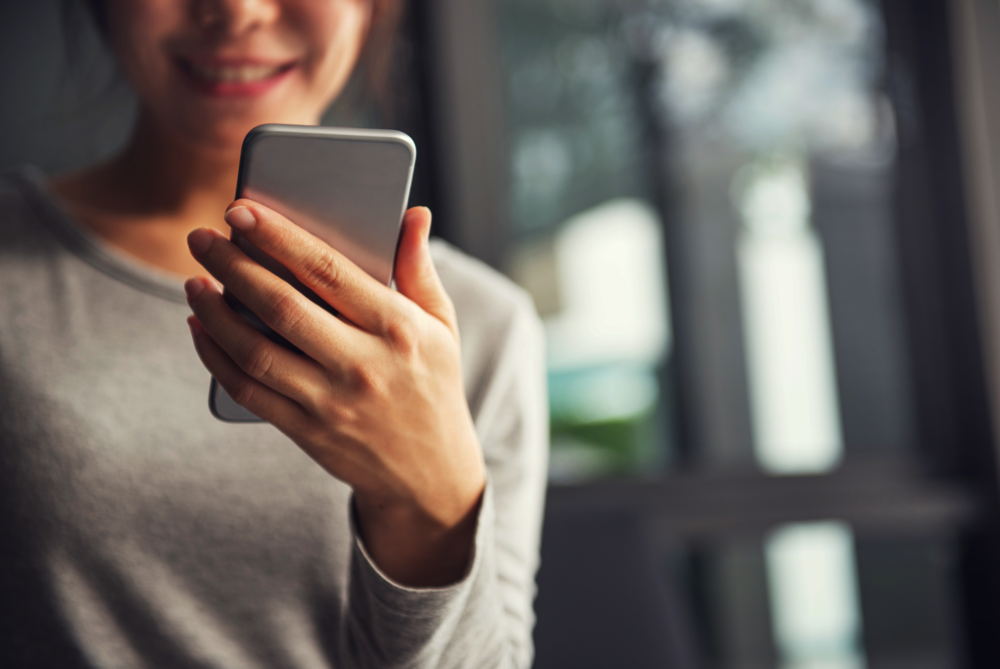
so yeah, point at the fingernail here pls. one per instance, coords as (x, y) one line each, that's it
(193, 288)
(240, 218)
(199, 241)
(427, 231)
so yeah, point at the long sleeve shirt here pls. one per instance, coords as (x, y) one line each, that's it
(136, 530)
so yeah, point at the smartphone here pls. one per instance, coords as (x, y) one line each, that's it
(349, 187)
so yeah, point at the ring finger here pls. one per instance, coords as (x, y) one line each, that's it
(295, 376)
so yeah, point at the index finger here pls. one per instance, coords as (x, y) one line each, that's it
(326, 271)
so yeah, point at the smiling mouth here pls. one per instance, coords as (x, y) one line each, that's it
(233, 74)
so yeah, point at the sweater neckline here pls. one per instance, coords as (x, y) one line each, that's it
(91, 248)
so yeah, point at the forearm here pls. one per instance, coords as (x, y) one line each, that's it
(460, 625)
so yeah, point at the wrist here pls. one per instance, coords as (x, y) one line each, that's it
(417, 546)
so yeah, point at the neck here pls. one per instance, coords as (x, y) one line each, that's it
(147, 198)
(157, 176)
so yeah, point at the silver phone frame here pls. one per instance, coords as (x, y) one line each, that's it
(216, 391)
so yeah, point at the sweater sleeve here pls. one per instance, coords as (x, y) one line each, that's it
(485, 619)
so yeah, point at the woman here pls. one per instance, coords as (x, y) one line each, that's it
(388, 515)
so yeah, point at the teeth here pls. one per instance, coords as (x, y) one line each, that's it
(235, 75)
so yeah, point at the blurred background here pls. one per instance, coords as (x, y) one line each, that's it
(764, 236)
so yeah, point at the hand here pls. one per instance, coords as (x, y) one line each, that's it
(377, 400)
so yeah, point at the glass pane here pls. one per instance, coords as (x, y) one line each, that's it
(751, 142)
(815, 595)
(754, 136)
(805, 595)
(590, 238)
(812, 588)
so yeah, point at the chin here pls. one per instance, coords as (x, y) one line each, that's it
(225, 134)
(213, 124)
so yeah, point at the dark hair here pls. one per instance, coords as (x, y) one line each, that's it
(377, 61)
(380, 54)
(89, 74)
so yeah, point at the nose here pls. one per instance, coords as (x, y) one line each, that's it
(234, 17)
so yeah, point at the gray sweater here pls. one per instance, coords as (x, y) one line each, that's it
(138, 531)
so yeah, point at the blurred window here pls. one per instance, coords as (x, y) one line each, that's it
(703, 203)
(738, 125)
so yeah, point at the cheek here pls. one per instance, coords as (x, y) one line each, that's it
(335, 39)
(137, 30)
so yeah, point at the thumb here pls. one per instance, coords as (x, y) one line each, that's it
(416, 277)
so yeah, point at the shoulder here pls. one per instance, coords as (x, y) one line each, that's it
(23, 209)
(488, 304)
(475, 287)
(18, 186)
(497, 320)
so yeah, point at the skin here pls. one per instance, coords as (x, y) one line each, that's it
(379, 401)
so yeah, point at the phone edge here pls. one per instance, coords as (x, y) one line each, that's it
(263, 130)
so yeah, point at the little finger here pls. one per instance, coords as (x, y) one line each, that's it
(249, 393)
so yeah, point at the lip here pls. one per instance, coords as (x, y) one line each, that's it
(227, 89)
